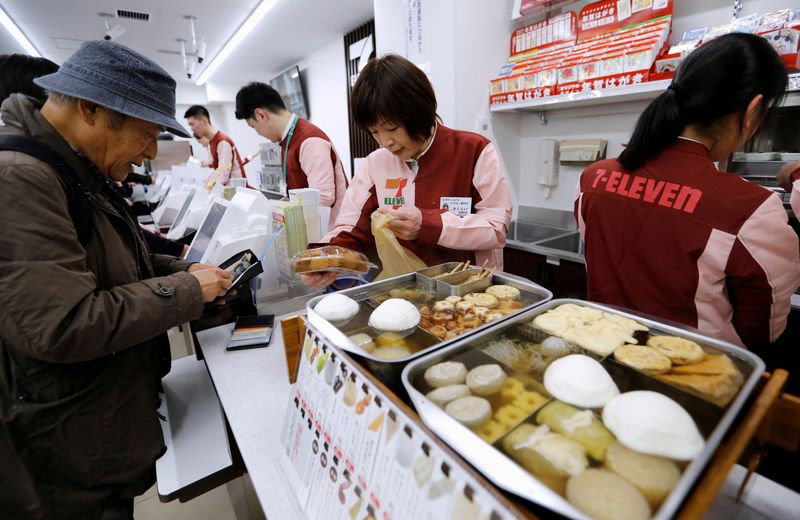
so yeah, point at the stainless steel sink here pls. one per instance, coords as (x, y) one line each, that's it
(571, 243)
(529, 233)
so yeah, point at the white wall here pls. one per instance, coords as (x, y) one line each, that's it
(482, 33)
(465, 42)
(440, 51)
(325, 82)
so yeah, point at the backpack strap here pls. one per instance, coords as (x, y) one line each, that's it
(77, 193)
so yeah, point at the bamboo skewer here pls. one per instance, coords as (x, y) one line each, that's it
(483, 268)
(456, 268)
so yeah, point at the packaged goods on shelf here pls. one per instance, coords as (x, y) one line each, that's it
(579, 52)
(780, 28)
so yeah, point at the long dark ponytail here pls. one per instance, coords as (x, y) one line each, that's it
(718, 79)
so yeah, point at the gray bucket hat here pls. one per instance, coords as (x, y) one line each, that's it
(118, 78)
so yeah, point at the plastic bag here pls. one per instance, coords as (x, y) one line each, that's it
(396, 259)
(347, 263)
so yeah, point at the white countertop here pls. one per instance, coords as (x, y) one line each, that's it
(253, 387)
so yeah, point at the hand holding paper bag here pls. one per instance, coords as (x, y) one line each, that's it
(396, 259)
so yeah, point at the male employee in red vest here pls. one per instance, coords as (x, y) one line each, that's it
(223, 151)
(308, 158)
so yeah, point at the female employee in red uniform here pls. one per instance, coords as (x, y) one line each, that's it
(666, 233)
(421, 167)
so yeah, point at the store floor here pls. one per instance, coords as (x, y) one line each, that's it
(234, 501)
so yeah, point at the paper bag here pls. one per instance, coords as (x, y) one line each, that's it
(396, 259)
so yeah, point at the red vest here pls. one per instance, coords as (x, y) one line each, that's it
(218, 138)
(295, 176)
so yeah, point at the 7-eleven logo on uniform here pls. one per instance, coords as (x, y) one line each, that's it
(399, 184)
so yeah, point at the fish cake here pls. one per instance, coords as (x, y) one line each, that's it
(644, 359)
(504, 292)
(680, 351)
(482, 300)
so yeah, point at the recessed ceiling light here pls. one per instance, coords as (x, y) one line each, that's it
(237, 38)
(12, 28)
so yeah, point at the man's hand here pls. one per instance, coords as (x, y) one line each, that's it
(406, 223)
(784, 175)
(199, 266)
(318, 280)
(213, 282)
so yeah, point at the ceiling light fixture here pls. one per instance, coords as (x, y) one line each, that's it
(12, 28)
(237, 38)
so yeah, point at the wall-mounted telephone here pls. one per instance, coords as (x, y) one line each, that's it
(548, 165)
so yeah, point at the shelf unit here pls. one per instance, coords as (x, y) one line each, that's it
(640, 91)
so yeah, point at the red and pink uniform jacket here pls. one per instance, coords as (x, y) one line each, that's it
(312, 162)
(678, 239)
(457, 164)
(225, 154)
(794, 197)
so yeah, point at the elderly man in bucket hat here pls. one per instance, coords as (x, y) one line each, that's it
(83, 304)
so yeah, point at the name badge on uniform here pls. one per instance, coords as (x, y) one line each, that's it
(460, 206)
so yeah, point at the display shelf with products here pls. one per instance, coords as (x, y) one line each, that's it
(601, 47)
(634, 92)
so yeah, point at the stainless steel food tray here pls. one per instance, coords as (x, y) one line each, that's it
(389, 371)
(507, 474)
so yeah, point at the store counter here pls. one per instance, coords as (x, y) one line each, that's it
(253, 388)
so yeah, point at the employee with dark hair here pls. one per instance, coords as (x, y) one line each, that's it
(223, 151)
(421, 167)
(308, 158)
(17, 72)
(668, 234)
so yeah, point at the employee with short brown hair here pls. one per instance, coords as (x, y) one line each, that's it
(444, 187)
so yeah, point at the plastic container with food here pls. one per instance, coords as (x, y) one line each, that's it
(583, 409)
(331, 259)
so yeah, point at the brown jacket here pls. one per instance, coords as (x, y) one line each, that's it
(79, 337)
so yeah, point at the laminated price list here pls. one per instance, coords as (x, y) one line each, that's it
(350, 454)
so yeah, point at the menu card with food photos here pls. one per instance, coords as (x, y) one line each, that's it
(350, 454)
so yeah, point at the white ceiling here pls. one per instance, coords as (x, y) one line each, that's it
(291, 31)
